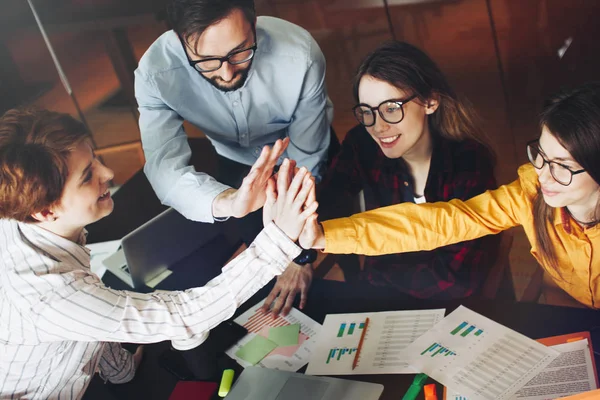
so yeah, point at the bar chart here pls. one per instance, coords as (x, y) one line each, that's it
(477, 357)
(466, 332)
(437, 349)
(353, 327)
(285, 358)
(336, 354)
(385, 337)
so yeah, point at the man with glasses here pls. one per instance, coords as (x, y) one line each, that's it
(244, 82)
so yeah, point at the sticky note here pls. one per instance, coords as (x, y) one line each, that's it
(285, 335)
(256, 349)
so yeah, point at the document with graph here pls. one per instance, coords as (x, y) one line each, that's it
(273, 342)
(387, 334)
(478, 357)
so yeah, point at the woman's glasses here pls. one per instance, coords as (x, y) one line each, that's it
(390, 111)
(561, 173)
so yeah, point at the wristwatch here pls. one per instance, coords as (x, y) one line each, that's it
(306, 257)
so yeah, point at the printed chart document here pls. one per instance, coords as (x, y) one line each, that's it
(275, 343)
(478, 357)
(570, 373)
(388, 333)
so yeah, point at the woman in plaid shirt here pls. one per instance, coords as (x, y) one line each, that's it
(416, 142)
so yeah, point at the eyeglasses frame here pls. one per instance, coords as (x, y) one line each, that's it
(399, 102)
(221, 60)
(549, 162)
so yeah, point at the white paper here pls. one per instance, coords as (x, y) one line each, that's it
(290, 358)
(99, 252)
(478, 357)
(388, 333)
(572, 372)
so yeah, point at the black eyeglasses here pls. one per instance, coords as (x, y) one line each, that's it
(392, 111)
(214, 63)
(560, 172)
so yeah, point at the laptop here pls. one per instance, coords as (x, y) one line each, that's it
(257, 383)
(147, 252)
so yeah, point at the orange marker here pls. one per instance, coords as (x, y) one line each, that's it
(360, 343)
(430, 392)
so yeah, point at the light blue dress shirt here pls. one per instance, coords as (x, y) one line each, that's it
(284, 95)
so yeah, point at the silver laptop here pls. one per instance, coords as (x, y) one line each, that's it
(257, 383)
(148, 251)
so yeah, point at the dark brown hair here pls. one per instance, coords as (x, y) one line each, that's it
(410, 69)
(190, 18)
(34, 150)
(573, 118)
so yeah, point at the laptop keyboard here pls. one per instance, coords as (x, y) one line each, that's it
(125, 269)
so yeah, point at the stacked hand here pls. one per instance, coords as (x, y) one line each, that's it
(290, 199)
(251, 194)
(293, 192)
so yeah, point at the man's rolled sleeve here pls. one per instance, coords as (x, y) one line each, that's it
(116, 364)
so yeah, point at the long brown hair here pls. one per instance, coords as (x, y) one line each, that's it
(573, 118)
(410, 69)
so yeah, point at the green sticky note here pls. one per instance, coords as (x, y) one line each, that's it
(285, 335)
(256, 349)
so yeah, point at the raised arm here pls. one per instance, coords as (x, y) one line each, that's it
(86, 310)
(167, 155)
(415, 227)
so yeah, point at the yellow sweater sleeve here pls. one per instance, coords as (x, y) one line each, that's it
(415, 227)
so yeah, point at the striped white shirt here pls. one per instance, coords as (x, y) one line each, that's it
(59, 323)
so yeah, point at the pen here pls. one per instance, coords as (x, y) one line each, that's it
(360, 343)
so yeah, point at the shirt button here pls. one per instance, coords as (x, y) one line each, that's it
(235, 103)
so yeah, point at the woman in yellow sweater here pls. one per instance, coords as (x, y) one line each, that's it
(556, 199)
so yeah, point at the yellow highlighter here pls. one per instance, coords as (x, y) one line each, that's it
(226, 382)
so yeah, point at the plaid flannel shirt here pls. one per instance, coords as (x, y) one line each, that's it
(458, 170)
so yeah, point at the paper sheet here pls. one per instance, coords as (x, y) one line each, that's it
(287, 358)
(388, 333)
(570, 373)
(478, 357)
(99, 252)
(285, 335)
(256, 349)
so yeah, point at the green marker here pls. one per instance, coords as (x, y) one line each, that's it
(415, 388)
(226, 382)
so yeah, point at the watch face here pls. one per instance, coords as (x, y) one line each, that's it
(306, 257)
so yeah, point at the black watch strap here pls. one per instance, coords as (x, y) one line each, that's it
(306, 257)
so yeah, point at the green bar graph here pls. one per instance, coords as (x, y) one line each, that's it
(336, 354)
(479, 332)
(429, 348)
(467, 331)
(342, 329)
(439, 351)
(351, 329)
(459, 328)
(331, 355)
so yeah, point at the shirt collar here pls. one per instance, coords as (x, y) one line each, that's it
(562, 217)
(53, 244)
